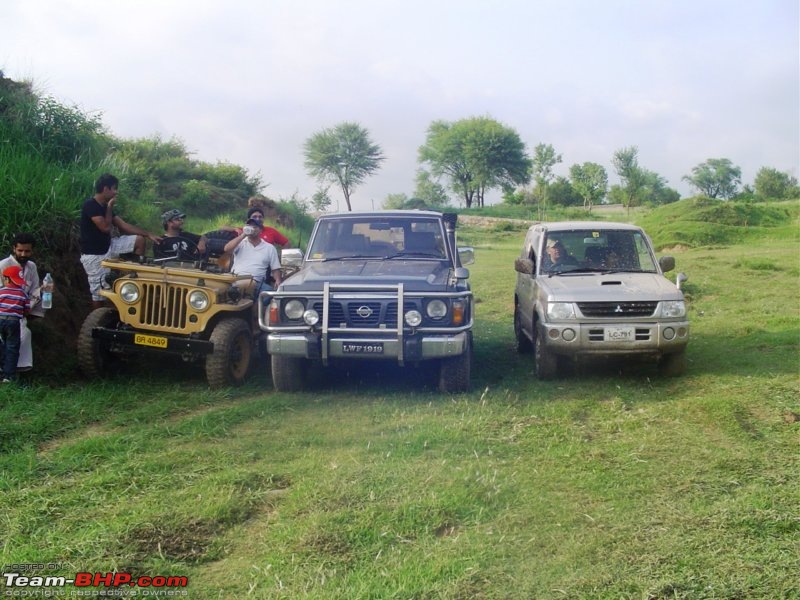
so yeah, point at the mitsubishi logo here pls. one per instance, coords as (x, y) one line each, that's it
(364, 312)
(618, 309)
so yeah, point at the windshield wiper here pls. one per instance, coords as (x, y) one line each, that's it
(351, 257)
(422, 254)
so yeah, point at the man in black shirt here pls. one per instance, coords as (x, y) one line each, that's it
(97, 243)
(176, 242)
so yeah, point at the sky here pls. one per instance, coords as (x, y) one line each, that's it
(248, 82)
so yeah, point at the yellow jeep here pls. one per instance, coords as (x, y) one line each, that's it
(192, 309)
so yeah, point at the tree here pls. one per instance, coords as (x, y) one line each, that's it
(716, 177)
(560, 192)
(343, 155)
(655, 190)
(429, 191)
(476, 154)
(544, 159)
(321, 200)
(626, 164)
(590, 181)
(771, 184)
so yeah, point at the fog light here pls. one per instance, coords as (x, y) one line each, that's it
(413, 318)
(669, 333)
(682, 332)
(568, 335)
(311, 317)
(553, 334)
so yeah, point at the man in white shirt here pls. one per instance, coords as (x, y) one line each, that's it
(21, 252)
(255, 257)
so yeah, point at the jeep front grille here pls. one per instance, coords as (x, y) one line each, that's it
(163, 305)
(617, 309)
(362, 313)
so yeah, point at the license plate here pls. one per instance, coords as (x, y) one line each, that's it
(361, 348)
(155, 341)
(619, 334)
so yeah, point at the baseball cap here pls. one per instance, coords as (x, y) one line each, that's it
(254, 209)
(14, 273)
(171, 214)
(552, 242)
(255, 222)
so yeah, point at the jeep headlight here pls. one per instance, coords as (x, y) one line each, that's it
(129, 292)
(293, 309)
(413, 318)
(673, 308)
(436, 309)
(560, 310)
(198, 300)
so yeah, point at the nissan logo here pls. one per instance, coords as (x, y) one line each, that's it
(364, 312)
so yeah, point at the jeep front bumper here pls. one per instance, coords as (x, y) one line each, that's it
(618, 338)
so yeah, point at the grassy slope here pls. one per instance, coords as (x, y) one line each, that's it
(606, 485)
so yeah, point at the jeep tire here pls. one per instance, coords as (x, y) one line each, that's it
(454, 373)
(229, 363)
(94, 357)
(288, 373)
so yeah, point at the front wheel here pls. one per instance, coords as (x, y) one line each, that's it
(672, 365)
(229, 363)
(288, 373)
(94, 357)
(545, 362)
(455, 372)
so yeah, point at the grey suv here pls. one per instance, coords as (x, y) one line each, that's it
(589, 289)
(387, 285)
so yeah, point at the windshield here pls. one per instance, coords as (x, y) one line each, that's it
(596, 250)
(379, 238)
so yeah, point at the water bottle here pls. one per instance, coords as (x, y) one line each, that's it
(47, 291)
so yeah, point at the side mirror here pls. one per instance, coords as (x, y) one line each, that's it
(524, 265)
(467, 255)
(461, 273)
(680, 279)
(291, 258)
(667, 263)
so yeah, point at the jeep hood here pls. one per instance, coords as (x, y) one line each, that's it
(415, 275)
(609, 287)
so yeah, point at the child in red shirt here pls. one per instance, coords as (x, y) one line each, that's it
(14, 304)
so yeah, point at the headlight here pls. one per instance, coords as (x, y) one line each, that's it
(413, 318)
(293, 309)
(436, 309)
(560, 310)
(129, 292)
(673, 308)
(311, 317)
(198, 300)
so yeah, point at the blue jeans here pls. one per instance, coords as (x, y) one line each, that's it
(10, 332)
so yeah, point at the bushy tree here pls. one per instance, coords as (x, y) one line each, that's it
(632, 176)
(476, 154)
(343, 155)
(590, 181)
(560, 192)
(771, 184)
(431, 192)
(715, 178)
(544, 159)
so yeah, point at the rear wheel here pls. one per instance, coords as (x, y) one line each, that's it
(288, 373)
(454, 373)
(94, 357)
(524, 345)
(233, 349)
(672, 365)
(545, 362)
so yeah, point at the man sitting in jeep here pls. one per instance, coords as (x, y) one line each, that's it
(178, 243)
(255, 257)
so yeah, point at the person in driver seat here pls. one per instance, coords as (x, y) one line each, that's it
(178, 243)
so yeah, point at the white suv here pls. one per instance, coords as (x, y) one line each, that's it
(596, 289)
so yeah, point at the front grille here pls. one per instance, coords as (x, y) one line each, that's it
(347, 313)
(617, 309)
(163, 305)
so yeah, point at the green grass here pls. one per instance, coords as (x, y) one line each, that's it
(613, 483)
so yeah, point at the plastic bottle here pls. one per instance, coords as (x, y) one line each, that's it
(47, 291)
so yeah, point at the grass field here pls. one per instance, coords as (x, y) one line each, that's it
(611, 484)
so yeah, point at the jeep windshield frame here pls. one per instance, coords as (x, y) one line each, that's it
(597, 251)
(379, 237)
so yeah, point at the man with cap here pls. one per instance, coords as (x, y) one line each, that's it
(176, 242)
(557, 255)
(14, 305)
(255, 257)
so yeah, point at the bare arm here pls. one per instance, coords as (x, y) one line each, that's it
(134, 230)
(231, 245)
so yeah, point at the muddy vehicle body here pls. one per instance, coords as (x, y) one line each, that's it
(377, 286)
(177, 306)
(607, 297)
